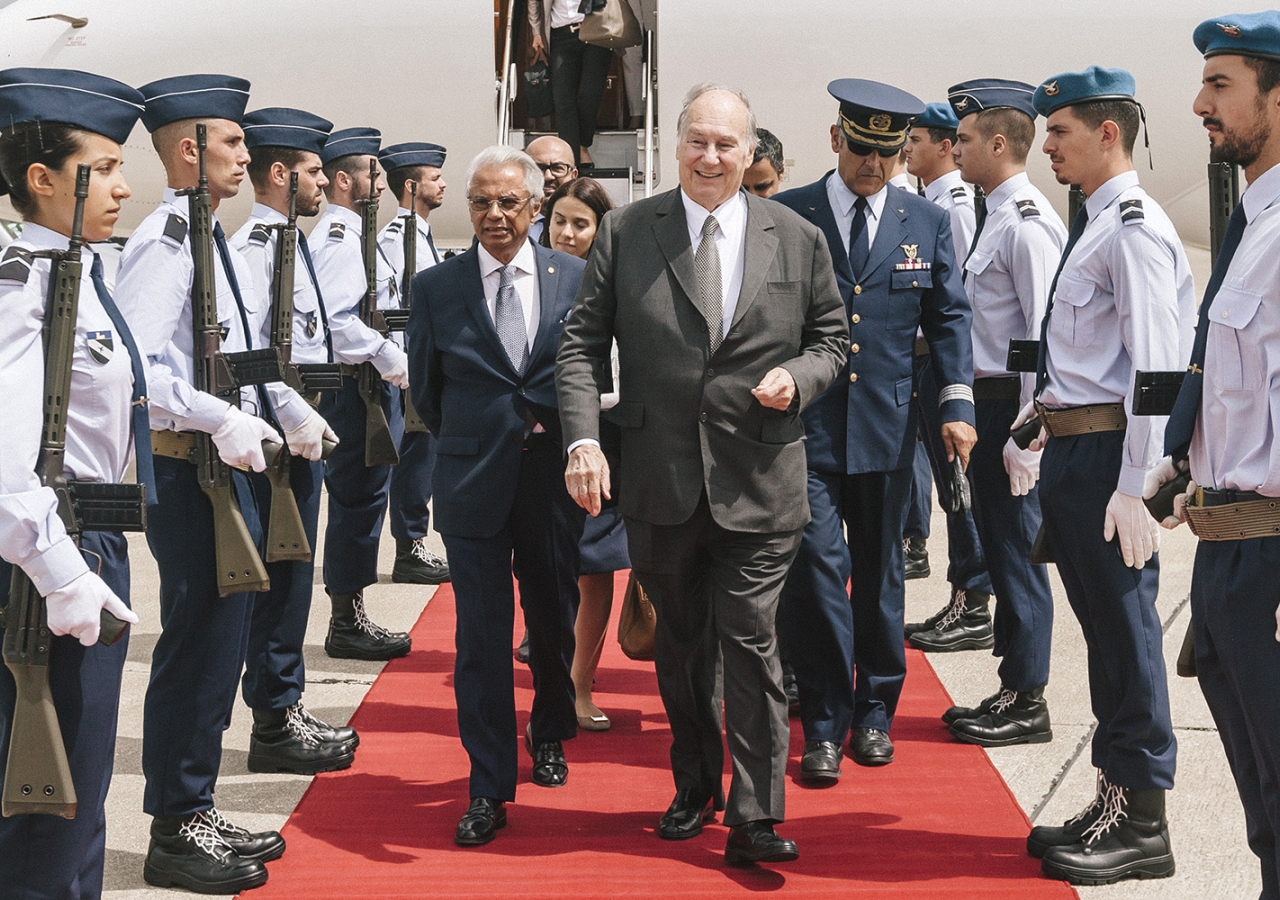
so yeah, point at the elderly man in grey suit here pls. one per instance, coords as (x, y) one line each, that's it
(728, 322)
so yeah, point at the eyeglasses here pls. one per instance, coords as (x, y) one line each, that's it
(865, 150)
(558, 169)
(508, 206)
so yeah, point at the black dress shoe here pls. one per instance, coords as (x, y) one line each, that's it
(956, 713)
(549, 766)
(916, 558)
(291, 745)
(1043, 837)
(965, 626)
(1130, 839)
(189, 852)
(415, 564)
(757, 842)
(821, 761)
(522, 652)
(480, 822)
(353, 635)
(791, 688)
(686, 815)
(871, 747)
(263, 846)
(1017, 717)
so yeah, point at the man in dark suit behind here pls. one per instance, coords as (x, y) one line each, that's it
(482, 341)
(728, 322)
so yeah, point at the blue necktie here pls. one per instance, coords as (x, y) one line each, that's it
(432, 245)
(859, 246)
(220, 241)
(141, 419)
(311, 270)
(980, 219)
(1042, 364)
(1182, 421)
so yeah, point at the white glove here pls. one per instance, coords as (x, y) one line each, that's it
(393, 366)
(305, 440)
(239, 440)
(1164, 472)
(1026, 415)
(1127, 517)
(1180, 506)
(77, 608)
(1023, 467)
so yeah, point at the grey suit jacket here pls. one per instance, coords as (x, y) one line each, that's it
(689, 422)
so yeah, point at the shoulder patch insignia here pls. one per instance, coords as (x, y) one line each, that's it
(15, 265)
(394, 226)
(260, 233)
(337, 230)
(1131, 211)
(1027, 208)
(175, 228)
(958, 192)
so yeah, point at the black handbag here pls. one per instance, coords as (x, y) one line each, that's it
(538, 102)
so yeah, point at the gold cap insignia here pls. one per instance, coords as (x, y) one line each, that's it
(1051, 89)
(880, 122)
(1230, 30)
(963, 104)
(910, 249)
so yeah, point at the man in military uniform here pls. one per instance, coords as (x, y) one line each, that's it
(1225, 421)
(896, 270)
(286, 737)
(1121, 301)
(357, 493)
(1006, 275)
(964, 622)
(409, 164)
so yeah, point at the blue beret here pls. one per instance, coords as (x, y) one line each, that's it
(101, 105)
(874, 114)
(398, 156)
(1094, 83)
(194, 97)
(279, 126)
(1250, 34)
(936, 115)
(980, 94)
(350, 141)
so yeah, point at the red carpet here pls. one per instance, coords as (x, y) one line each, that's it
(937, 823)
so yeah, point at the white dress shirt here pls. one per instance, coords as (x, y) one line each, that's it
(842, 200)
(563, 12)
(525, 283)
(731, 240)
(951, 193)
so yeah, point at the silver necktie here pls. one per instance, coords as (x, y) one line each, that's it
(706, 263)
(508, 319)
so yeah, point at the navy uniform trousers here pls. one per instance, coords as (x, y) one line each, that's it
(920, 507)
(46, 857)
(539, 543)
(274, 674)
(826, 627)
(357, 493)
(1116, 607)
(966, 563)
(197, 660)
(411, 485)
(1234, 595)
(1007, 526)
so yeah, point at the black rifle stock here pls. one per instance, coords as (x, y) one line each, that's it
(379, 446)
(412, 421)
(239, 566)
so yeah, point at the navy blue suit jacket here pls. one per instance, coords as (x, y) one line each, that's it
(869, 425)
(467, 393)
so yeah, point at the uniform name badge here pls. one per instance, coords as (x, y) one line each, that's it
(913, 262)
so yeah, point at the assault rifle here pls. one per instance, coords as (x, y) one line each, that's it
(379, 446)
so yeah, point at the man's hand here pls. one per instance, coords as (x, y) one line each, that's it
(1127, 518)
(76, 609)
(959, 438)
(587, 477)
(1025, 415)
(1023, 467)
(539, 48)
(239, 440)
(1164, 472)
(305, 440)
(776, 390)
(393, 366)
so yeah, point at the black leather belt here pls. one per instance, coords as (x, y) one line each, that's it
(567, 29)
(1211, 497)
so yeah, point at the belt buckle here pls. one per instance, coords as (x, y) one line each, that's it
(1199, 497)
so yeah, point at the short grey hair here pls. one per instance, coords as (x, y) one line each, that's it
(499, 156)
(706, 87)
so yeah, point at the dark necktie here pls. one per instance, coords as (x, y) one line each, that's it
(508, 321)
(859, 246)
(224, 252)
(141, 419)
(1182, 421)
(315, 283)
(1042, 365)
(432, 244)
(980, 219)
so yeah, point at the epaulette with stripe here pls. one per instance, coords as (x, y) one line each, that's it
(260, 233)
(175, 228)
(1131, 211)
(15, 265)
(394, 226)
(1027, 208)
(959, 193)
(337, 230)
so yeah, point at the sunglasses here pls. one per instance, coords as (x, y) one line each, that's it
(867, 150)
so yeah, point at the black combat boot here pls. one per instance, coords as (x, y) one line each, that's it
(1130, 839)
(956, 713)
(965, 625)
(333, 734)
(353, 635)
(917, 558)
(189, 852)
(263, 846)
(1016, 717)
(283, 741)
(415, 564)
(1043, 837)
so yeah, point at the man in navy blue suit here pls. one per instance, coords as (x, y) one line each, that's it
(482, 345)
(896, 269)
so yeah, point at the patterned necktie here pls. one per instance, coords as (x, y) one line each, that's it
(859, 245)
(311, 270)
(1042, 364)
(224, 252)
(508, 320)
(1182, 421)
(706, 264)
(141, 419)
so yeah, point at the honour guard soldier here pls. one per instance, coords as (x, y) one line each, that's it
(1121, 301)
(196, 663)
(414, 176)
(357, 492)
(1006, 274)
(896, 269)
(964, 622)
(1225, 420)
(79, 575)
(287, 738)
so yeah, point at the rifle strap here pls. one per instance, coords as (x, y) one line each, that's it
(224, 253)
(315, 283)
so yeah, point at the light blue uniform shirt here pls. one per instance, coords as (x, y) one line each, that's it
(951, 193)
(335, 250)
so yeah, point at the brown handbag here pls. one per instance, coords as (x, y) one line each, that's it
(636, 622)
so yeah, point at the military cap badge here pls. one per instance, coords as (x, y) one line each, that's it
(1229, 30)
(1051, 89)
